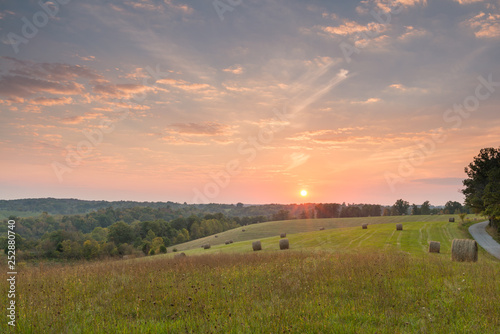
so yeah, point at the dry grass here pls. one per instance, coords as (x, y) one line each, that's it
(298, 292)
(464, 250)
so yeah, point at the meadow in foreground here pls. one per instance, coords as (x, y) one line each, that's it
(392, 289)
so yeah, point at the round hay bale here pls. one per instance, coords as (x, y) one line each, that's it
(216, 236)
(321, 228)
(399, 227)
(256, 246)
(283, 235)
(284, 244)
(464, 250)
(227, 242)
(230, 241)
(451, 220)
(243, 230)
(206, 246)
(364, 226)
(180, 255)
(434, 247)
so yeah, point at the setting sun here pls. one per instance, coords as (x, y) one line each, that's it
(303, 193)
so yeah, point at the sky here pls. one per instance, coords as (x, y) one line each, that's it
(247, 101)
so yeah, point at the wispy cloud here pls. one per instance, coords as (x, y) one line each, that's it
(235, 69)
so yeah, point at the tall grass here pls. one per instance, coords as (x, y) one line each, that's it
(306, 292)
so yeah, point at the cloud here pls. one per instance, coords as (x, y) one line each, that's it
(154, 6)
(235, 69)
(26, 78)
(118, 91)
(351, 28)
(43, 101)
(187, 86)
(485, 25)
(180, 7)
(204, 129)
(21, 87)
(397, 87)
(50, 71)
(387, 5)
(296, 159)
(80, 119)
(368, 101)
(412, 32)
(467, 2)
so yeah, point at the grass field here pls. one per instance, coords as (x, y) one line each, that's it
(340, 280)
(268, 229)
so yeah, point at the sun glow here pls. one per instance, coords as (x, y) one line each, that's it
(303, 193)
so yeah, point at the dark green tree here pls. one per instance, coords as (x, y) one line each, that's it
(452, 207)
(482, 187)
(400, 207)
(120, 233)
(425, 208)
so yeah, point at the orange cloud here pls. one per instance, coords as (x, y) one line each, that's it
(42, 101)
(352, 27)
(485, 25)
(466, 2)
(80, 119)
(120, 90)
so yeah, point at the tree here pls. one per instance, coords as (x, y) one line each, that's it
(327, 210)
(415, 210)
(99, 234)
(400, 207)
(482, 188)
(120, 233)
(281, 215)
(425, 208)
(156, 243)
(452, 207)
(90, 249)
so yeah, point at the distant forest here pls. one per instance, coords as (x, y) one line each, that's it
(78, 229)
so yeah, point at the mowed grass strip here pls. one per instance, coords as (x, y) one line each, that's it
(275, 228)
(271, 292)
(413, 239)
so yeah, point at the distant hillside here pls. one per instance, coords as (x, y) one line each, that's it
(71, 206)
